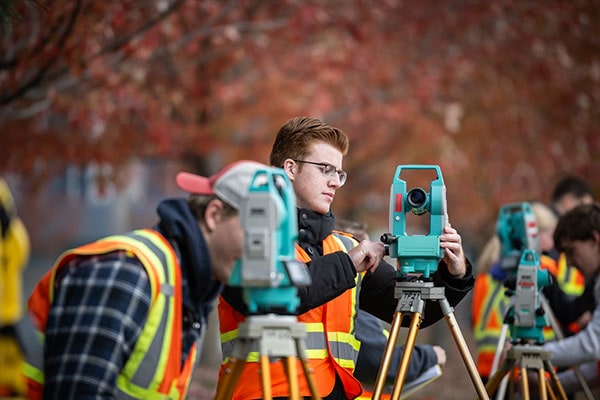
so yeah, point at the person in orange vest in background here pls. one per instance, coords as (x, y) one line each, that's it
(489, 303)
(578, 236)
(14, 256)
(311, 154)
(373, 336)
(123, 317)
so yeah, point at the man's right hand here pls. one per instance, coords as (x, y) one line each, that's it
(367, 255)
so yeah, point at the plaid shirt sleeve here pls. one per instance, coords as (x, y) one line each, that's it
(99, 309)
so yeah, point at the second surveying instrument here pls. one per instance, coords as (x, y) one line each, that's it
(528, 313)
(269, 275)
(420, 255)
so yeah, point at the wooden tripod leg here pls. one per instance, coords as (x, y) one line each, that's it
(542, 384)
(496, 379)
(233, 371)
(310, 379)
(387, 356)
(292, 377)
(408, 349)
(554, 378)
(524, 383)
(265, 377)
(463, 349)
(550, 391)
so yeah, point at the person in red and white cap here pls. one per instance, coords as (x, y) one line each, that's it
(123, 317)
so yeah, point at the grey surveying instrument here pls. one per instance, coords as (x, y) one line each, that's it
(420, 255)
(269, 276)
(528, 312)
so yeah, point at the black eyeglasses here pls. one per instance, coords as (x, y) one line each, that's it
(329, 170)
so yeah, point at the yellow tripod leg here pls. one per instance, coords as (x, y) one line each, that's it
(265, 377)
(233, 371)
(387, 356)
(411, 338)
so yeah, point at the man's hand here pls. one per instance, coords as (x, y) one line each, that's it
(367, 255)
(454, 256)
(440, 354)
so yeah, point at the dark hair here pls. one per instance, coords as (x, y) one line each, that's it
(578, 224)
(297, 134)
(355, 228)
(198, 203)
(571, 185)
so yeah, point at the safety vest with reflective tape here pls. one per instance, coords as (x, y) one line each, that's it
(153, 370)
(570, 280)
(331, 346)
(489, 306)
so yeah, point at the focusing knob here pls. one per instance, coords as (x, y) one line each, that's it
(388, 238)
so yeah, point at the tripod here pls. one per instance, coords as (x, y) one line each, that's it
(501, 386)
(276, 336)
(411, 297)
(528, 357)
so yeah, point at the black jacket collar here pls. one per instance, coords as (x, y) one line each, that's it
(314, 227)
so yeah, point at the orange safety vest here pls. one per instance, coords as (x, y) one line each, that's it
(331, 346)
(488, 309)
(146, 375)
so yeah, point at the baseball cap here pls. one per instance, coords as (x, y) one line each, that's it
(230, 183)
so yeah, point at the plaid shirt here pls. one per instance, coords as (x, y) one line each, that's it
(99, 310)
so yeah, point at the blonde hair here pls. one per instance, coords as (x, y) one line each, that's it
(488, 256)
(546, 219)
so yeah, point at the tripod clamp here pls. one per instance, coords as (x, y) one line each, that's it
(275, 337)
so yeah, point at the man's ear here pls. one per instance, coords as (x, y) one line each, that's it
(596, 236)
(212, 214)
(290, 168)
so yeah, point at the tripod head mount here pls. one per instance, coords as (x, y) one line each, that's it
(519, 242)
(268, 271)
(416, 253)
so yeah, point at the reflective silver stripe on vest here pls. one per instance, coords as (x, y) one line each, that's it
(343, 351)
(147, 367)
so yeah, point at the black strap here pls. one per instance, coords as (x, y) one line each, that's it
(4, 220)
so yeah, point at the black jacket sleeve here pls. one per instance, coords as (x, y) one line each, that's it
(377, 292)
(331, 275)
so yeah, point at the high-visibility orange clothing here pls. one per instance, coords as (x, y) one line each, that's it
(330, 343)
(147, 374)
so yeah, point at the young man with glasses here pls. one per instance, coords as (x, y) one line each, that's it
(311, 153)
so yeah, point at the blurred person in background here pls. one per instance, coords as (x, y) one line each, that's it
(577, 235)
(489, 304)
(124, 317)
(311, 153)
(14, 256)
(569, 192)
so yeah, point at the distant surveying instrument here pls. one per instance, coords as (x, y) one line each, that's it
(418, 255)
(519, 248)
(526, 316)
(269, 276)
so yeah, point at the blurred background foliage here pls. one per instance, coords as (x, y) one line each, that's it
(503, 95)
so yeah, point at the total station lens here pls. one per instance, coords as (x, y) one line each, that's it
(416, 197)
